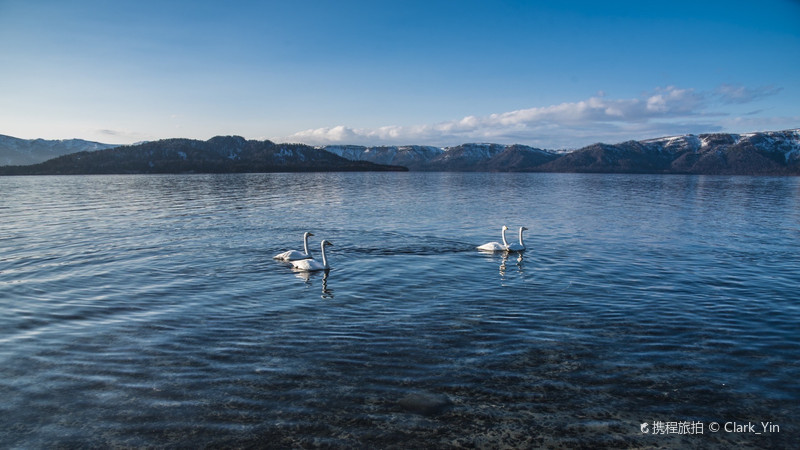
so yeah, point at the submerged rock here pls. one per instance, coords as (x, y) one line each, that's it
(425, 403)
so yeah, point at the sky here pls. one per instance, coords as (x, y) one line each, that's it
(550, 74)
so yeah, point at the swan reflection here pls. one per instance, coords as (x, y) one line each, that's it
(307, 278)
(504, 263)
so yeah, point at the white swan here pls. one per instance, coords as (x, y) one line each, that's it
(312, 265)
(293, 255)
(518, 247)
(496, 246)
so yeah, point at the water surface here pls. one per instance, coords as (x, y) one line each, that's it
(142, 311)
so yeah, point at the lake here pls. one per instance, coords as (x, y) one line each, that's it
(147, 311)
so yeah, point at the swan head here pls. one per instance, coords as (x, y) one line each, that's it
(505, 228)
(307, 234)
(523, 228)
(326, 243)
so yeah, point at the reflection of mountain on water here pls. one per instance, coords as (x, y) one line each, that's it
(307, 278)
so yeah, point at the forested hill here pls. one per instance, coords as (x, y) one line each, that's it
(221, 154)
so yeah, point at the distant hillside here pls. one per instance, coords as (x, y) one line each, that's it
(465, 157)
(221, 154)
(16, 152)
(415, 157)
(517, 158)
(765, 153)
(762, 153)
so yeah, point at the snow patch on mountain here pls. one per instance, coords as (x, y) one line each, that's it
(474, 152)
(15, 151)
(285, 155)
(675, 144)
(406, 155)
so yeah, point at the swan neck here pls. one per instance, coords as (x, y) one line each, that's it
(520, 238)
(324, 258)
(305, 244)
(504, 237)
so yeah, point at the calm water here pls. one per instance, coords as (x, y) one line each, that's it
(142, 311)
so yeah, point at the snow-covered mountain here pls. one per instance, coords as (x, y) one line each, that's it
(786, 142)
(465, 157)
(491, 158)
(15, 151)
(414, 157)
(762, 153)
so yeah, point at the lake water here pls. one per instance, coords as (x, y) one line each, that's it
(142, 311)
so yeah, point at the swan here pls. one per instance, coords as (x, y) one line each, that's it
(518, 247)
(312, 265)
(496, 246)
(293, 255)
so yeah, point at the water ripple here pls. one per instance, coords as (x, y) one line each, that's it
(147, 311)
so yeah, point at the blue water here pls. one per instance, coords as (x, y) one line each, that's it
(147, 311)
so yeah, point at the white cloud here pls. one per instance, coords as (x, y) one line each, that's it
(664, 111)
(113, 136)
(742, 94)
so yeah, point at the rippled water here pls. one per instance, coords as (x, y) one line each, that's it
(142, 311)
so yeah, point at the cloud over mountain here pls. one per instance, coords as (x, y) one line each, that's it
(740, 94)
(664, 111)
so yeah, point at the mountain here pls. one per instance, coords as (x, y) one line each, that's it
(763, 153)
(517, 158)
(415, 157)
(15, 151)
(220, 154)
(465, 157)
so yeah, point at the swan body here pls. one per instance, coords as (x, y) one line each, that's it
(496, 246)
(312, 265)
(518, 247)
(294, 255)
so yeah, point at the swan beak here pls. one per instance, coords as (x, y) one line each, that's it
(524, 229)
(310, 234)
(328, 243)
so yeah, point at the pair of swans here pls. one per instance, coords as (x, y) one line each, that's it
(505, 246)
(303, 261)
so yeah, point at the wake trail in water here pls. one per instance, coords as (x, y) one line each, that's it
(391, 243)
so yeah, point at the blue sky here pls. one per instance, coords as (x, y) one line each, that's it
(552, 74)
